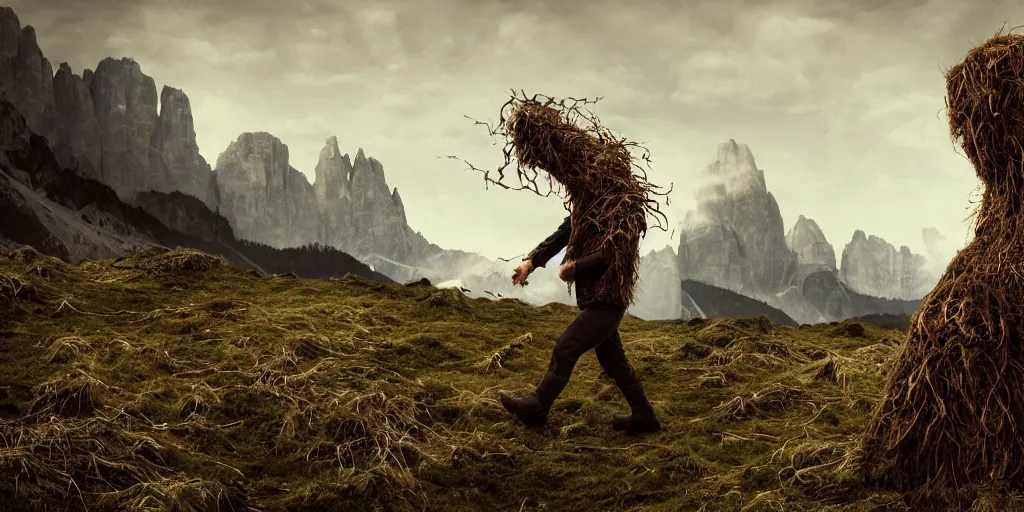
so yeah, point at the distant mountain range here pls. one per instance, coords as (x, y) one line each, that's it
(734, 239)
(98, 164)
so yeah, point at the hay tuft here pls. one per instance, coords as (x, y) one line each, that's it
(505, 353)
(850, 330)
(607, 191)
(447, 298)
(834, 369)
(953, 406)
(13, 287)
(176, 493)
(695, 350)
(68, 396)
(25, 254)
(186, 261)
(763, 403)
(66, 348)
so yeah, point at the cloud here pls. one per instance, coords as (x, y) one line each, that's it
(840, 102)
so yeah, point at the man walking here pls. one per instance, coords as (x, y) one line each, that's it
(595, 328)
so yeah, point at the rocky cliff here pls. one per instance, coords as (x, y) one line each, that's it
(78, 132)
(26, 76)
(108, 123)
(936, 244)
(658, 294)
(810, 245)
(61, 213)
(872, 266)
(359, 212)
(734, 238)
(176, 154)
(349, 205)
(378, 215)
(334, 194)
(265, 199)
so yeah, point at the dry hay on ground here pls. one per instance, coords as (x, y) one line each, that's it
(237, 393)
(954, 400)
(505, 353)
(184, 261)
(447, 299)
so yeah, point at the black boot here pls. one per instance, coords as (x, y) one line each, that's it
(533, 410)
(642, 420)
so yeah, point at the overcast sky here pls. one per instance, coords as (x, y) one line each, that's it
(840, 101)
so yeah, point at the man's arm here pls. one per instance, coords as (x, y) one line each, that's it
(594, 263)
(551, 245)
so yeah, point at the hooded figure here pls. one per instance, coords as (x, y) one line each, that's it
(601, 236)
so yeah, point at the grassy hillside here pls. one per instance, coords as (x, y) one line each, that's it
(171, 381)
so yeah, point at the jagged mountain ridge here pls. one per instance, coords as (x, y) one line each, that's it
(873, 266)
(734, 239)
(61, 213)
(109, 124)
(349, 205)
(107, 120)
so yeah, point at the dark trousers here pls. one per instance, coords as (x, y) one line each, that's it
(596, 328)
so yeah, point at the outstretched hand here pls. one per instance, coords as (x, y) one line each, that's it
(566, 271)
(522, 272)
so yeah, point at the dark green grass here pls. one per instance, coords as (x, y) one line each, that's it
(171, 381)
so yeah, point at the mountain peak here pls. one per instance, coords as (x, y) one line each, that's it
(10, 31)
(808, 241)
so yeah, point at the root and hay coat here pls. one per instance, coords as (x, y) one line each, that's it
(953, 406)
(607, 191)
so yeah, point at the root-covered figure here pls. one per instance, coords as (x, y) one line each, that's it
(953, 407)
(608, 205)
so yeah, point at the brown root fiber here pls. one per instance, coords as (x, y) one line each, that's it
(953, 405)
(606, 187)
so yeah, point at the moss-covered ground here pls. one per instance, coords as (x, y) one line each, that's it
(172, 381)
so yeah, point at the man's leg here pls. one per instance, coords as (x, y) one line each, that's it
(612, 357)
(587, 331)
